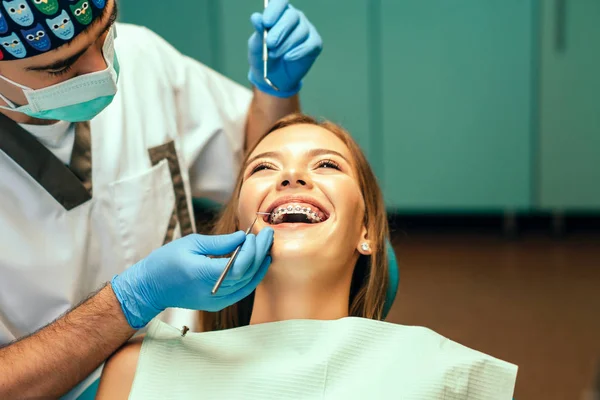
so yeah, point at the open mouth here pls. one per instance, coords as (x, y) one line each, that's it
(296, 213)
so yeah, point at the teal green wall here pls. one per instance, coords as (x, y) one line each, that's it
(569, 168)
(191, 34)
(459, 105)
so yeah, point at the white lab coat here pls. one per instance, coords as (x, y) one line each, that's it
(52, 258)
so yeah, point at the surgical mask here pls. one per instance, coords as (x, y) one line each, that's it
(77, 99)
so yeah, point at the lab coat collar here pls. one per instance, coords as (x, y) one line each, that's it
(43, 166)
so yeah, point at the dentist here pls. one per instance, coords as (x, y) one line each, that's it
(106, 134)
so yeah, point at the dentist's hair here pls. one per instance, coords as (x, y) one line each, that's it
(370, 277)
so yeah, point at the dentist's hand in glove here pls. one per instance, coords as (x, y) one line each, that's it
(181, 274)
(293, 45)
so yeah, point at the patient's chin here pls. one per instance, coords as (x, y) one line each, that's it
(288, 249)
(316, 246)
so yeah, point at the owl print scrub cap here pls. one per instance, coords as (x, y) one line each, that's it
(32, 27)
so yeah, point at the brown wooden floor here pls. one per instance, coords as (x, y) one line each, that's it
(534, 302)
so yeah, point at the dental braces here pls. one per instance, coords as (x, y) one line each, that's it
(312, 215)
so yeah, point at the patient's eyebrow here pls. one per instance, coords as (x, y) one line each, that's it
(310, 153)
(324, 152)
(267, 154)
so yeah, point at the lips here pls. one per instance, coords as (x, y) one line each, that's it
(297, 201)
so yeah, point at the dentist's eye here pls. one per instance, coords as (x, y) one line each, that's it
(60, 71)
(262, 166)
(328, 164)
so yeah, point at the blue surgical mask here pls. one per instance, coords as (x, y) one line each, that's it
(77, 99)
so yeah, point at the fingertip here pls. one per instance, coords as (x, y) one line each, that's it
(267, 230)
(257, 21)
(273, 12)
(237, 237)
(266, 235)
(238, 234)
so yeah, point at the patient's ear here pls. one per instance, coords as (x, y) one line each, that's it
(364, 244)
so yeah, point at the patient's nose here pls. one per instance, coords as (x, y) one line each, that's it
(299, 182)
(291, 179)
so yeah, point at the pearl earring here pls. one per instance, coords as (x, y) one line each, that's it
(365, 246)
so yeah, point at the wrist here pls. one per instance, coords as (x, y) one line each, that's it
(261, 85)
(135, 313)
(108, 297)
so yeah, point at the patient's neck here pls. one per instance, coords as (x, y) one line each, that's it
(292, 292)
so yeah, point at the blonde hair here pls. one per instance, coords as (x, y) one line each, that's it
(370, 277)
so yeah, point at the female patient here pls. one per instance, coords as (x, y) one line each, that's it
(298, 335)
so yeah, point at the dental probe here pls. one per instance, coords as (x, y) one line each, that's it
(232, 259)
(266, 56)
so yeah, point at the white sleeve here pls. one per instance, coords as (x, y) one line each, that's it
(212, 112)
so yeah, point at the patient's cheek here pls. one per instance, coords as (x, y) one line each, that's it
(243, 209)
(244, 218)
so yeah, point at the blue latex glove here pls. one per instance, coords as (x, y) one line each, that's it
(293, 44)
(181, 275)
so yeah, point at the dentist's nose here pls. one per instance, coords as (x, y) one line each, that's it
(92, 61)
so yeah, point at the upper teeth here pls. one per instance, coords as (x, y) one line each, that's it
(278, 213)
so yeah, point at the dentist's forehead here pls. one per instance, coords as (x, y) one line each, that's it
(301, 139)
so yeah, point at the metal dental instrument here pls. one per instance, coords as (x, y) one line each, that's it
(184, 330)
(266, 56)
(231, 260)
